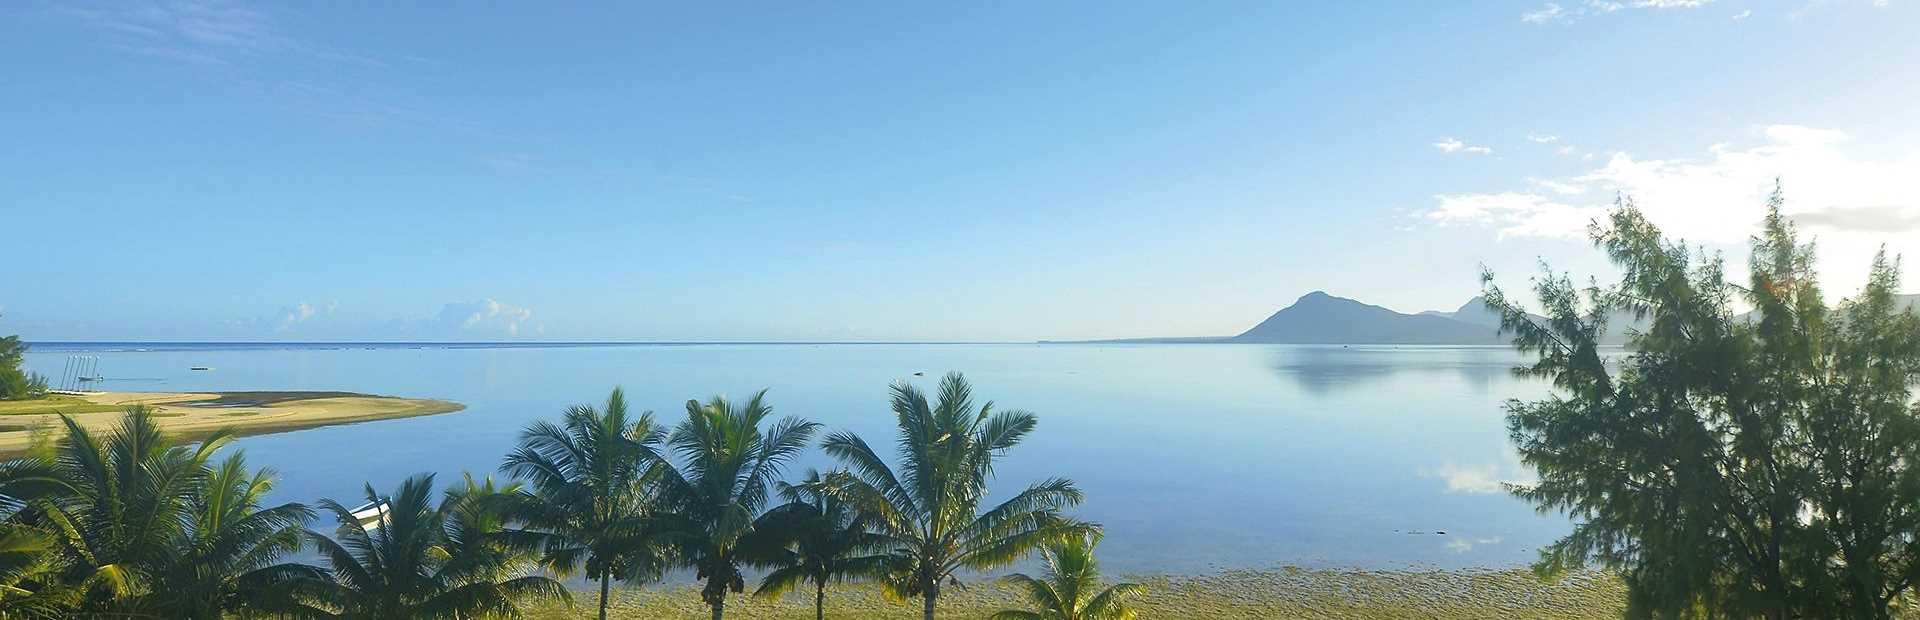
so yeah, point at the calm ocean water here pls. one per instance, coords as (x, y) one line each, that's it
(1196, 458)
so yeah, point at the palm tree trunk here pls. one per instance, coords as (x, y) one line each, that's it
(605, 582)
(719, 608)
(927, 611)
(820, 600)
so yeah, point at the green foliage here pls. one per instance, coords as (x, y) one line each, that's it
(1726, 465)
(16, 383)
(595, 479)
(1070, 589)
(815, 538)
(726, 464)
(136, 524)
(454, 560)
(929, 511)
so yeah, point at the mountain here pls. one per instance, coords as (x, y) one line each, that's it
(1474, 312)
(1319, 318)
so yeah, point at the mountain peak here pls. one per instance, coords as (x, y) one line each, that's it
(1319, 297)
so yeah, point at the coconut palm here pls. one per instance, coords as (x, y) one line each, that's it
(421, 561)
(138, 524)
(29, 575)
(227, 557)
(817, 539)
(1070, 589)
(593, 478)
(930, 511)
(726, 463)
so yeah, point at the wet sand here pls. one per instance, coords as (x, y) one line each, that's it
(196, 415)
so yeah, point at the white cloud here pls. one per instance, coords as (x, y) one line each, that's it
(1852, 204)
(1555, 13)
(286, 319)
(1743, 15)
(1455, 145)
(1549, 13)
(1542, 138)
(486, 316)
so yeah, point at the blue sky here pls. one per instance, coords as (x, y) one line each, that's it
(847, 171)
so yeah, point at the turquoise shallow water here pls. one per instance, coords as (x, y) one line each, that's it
(1196, 458)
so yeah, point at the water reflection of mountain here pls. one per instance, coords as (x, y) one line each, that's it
(1323, 370)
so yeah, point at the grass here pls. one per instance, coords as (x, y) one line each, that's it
(1287, 593)
(52, 404)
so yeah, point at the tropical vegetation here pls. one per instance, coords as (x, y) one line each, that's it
(726, 464)
(818, 539)
(419, 559)
(1730, 462)
(593, 489)
(1070, 587)
(15, 382)
(931, 512)
(134, 523)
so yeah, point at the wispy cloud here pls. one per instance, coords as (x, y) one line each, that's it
(1455, 145)
(211, 32)
(1550, 13)
(1743, 15)
(1542, 138)
(1553, 12)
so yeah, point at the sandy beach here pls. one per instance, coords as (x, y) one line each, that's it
(1280, 593)
(198, 414)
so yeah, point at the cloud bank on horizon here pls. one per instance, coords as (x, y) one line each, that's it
(1850, 204)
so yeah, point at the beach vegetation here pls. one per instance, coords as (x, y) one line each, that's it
(931, 511)
(1729, 462)
(15, 382)
(721, 480)
(1070, 587)
(593, 489)
(132, 523)
(419, 559)
(817, 539)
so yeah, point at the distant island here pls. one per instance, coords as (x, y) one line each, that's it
(1320, 318)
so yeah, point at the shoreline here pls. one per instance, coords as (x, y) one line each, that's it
(195, 415)
(1285, 593)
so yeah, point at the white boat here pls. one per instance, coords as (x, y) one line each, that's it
(371, 515)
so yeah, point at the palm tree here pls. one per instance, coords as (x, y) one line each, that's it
(419, 561)
(29, 575)
(726, 465)
(817, 539)
(930, 511)
(593, 479)
(1067, 591)
(227, 558)
(137, 524)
